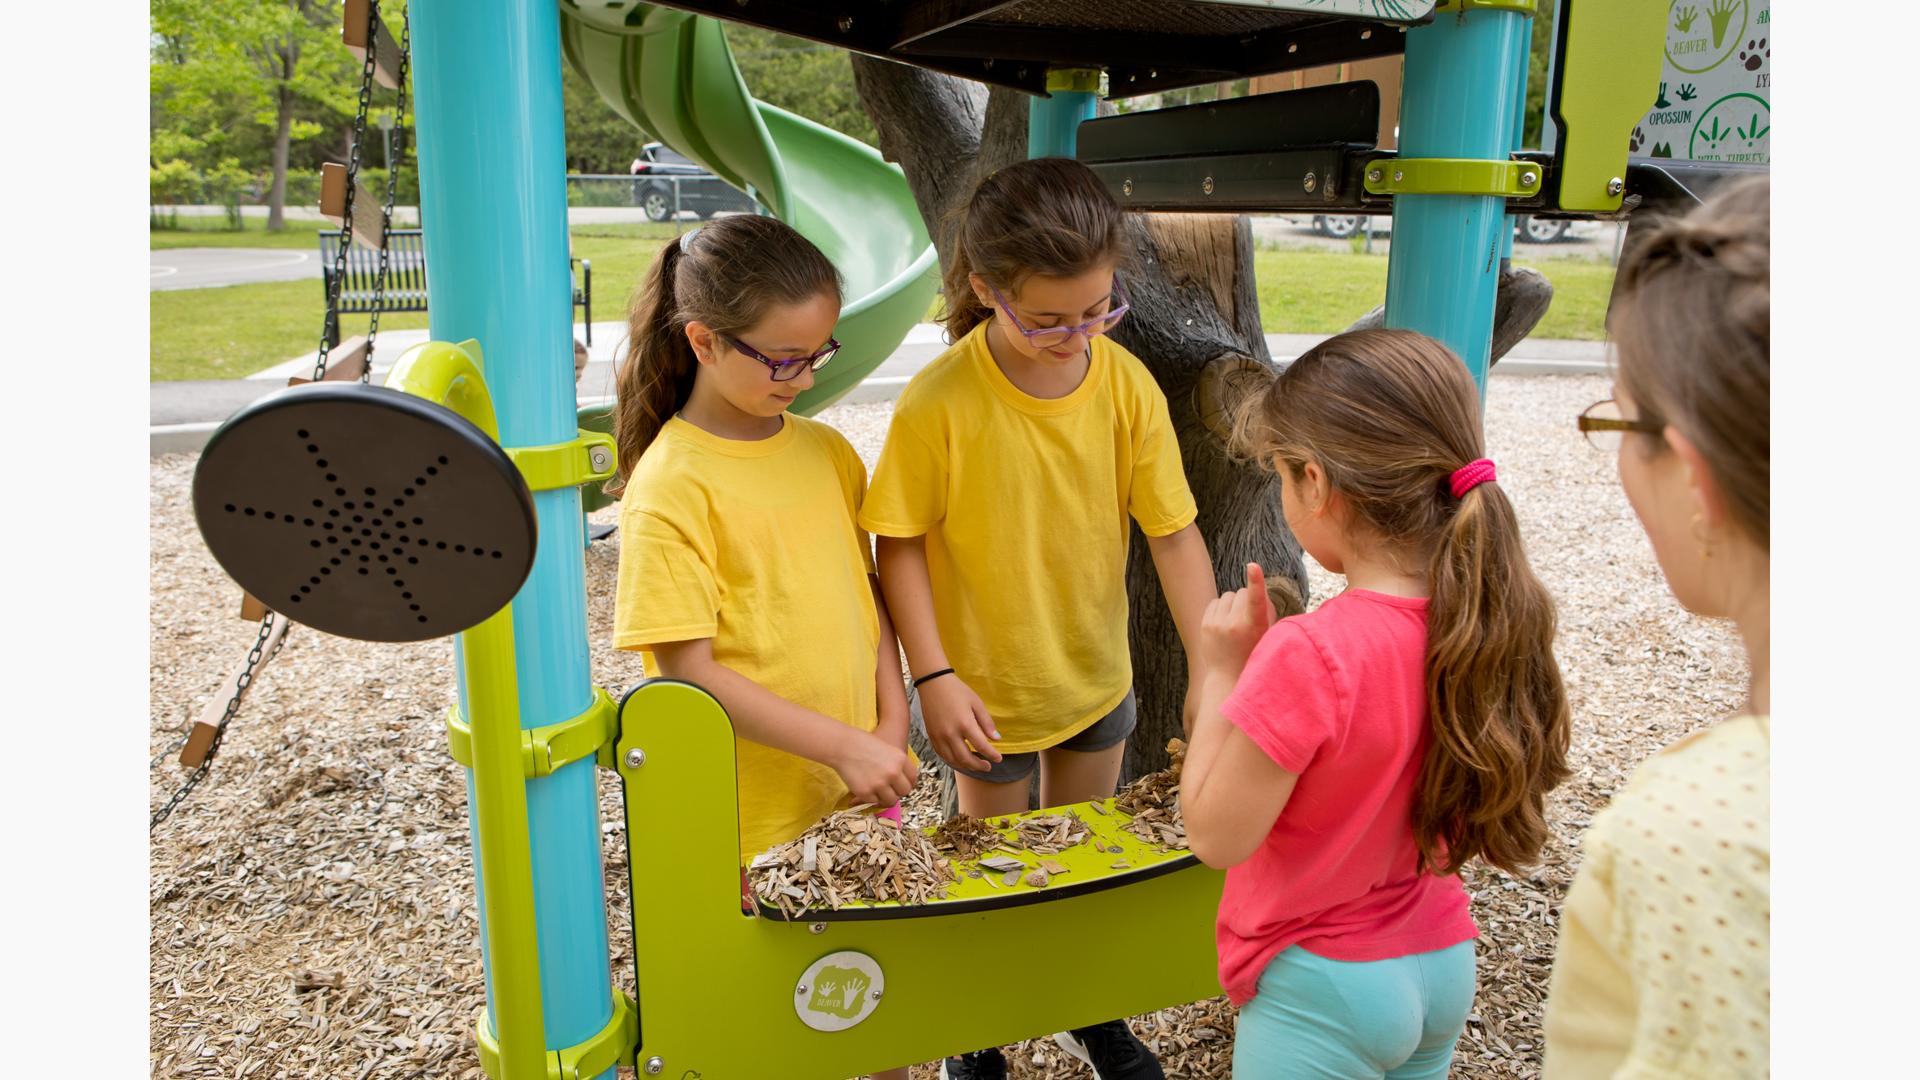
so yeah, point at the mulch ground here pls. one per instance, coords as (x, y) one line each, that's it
(312, 903)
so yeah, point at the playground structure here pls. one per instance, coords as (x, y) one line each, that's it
(494, 554)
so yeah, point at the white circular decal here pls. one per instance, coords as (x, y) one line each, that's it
(838, 991)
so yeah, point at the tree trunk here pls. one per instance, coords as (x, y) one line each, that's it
(1195, 311)
(282, 141)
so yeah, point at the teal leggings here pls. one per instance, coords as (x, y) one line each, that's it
(1335, 1020)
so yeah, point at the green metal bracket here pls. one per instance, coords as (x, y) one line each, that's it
(1452, 176)
(1073, 79)
(1524, 7)
(611, 1045)
(1606, 76)
(585, 460)
(544, 750)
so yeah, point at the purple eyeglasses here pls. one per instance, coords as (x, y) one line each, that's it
(1048, 337)
(786, 370)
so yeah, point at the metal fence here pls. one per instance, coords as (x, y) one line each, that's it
(660, 197)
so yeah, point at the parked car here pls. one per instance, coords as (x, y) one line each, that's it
(659, 170)
(1528, 229)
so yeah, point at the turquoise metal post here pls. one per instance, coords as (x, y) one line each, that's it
(1053, 123)
(493, 205)
(1523, 45)
(1461, 70)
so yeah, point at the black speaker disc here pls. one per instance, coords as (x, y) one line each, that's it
(365, 512)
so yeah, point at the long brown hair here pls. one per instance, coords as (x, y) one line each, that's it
(1691, 323)
(725, 274)
(1046, 216)
(1389, 415)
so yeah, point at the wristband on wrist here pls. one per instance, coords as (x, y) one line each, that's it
(931, 677)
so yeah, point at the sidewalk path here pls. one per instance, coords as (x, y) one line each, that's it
(182, 414)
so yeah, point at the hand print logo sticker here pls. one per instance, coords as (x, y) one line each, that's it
(1703, 34)
(839, 990)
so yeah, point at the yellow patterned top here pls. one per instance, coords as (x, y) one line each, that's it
(1662, 968)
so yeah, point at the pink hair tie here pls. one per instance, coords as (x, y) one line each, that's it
(1469, 476)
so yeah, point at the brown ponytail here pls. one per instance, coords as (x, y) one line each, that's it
(726, 274)
(1047, 216)
(1389, 415)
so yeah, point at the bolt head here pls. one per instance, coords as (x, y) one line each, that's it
(1309, 182)
(1126, 186)
(1616, 185)
(1528, 178)
(636, 758)
(799, 990)
(845, 23)
(817, 928)
(1374, 175)
(599, 458)
(1398, 176)
(1206, 186)
(875, 995)
(655, 1066)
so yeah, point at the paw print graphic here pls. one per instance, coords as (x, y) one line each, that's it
(1754, 54)
(1636, 141)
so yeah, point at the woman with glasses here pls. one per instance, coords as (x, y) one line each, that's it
(1662, 967)
(1001, 504)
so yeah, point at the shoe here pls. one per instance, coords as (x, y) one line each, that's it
(1112, 1052)
(988, 1064)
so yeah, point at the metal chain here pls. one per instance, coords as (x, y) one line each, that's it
(393, 171)
(353, 172)
(233, 707)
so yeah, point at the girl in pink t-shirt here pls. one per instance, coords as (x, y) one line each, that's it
(1347, 762)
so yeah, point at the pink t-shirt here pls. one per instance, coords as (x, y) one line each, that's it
(1338, 697)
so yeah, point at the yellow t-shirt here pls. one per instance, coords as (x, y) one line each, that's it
(1662, 968)
(1024, 502)
(754, 545)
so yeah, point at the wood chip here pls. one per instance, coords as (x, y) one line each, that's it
(1037, 879)
(1153, 801)
(965, 837)
(1050, 834)
(850, 857)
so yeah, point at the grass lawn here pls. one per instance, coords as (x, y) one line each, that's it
(213, 232)
(231, 332)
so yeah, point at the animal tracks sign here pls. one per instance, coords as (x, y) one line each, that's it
(1715, 85)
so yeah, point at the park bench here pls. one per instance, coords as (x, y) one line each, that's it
(406, 278)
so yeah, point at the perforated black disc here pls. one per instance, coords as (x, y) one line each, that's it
(365, 512)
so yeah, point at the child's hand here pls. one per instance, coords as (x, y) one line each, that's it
(956, 717)
(1234, 624)
(874, 771)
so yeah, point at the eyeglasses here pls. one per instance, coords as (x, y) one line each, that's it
(1049, 337)
(1603, 425)
(786, 370)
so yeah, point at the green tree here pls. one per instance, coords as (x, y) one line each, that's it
(800, 76)
(233, 78)
(599, 140)
(1537, 60)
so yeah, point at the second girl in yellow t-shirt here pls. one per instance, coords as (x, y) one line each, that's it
(1001, 502)
(742, 569)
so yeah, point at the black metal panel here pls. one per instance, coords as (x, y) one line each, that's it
(1677, 186)
(1335, 114)
(1145, 45)
(1237, 183)
(365, 512)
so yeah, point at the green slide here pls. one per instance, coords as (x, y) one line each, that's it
(672, 74)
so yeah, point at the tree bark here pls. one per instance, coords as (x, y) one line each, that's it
(1195, 310)
(282, 142)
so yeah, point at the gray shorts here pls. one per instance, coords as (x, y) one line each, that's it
(1102, 734)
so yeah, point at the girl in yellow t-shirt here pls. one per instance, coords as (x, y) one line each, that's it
(1001, 506)
(742, 569)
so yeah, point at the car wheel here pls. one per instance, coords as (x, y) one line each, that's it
(1338, 228)
(1535, 230)
(658, 207)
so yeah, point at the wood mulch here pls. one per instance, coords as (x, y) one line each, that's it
(312, 909)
